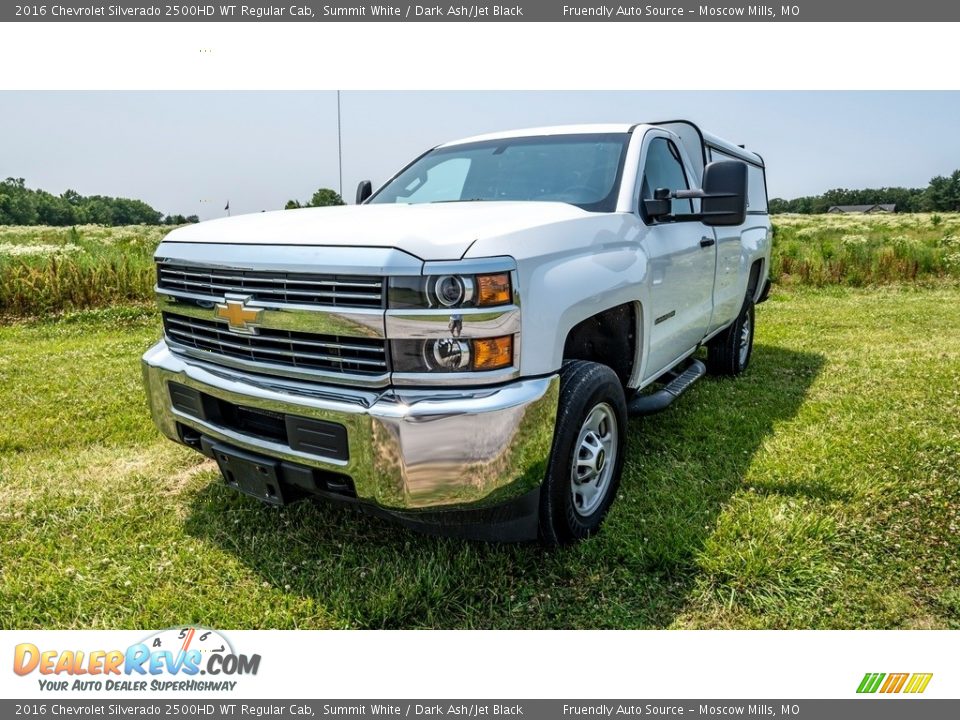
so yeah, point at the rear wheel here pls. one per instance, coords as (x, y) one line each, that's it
(729, 352)
(586, 462)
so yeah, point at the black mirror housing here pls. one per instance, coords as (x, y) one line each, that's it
(656, 207)
(724, 199)
(364, 191)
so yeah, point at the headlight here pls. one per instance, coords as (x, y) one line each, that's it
(450, 291)
(452, 354)
(453, 290)
(447, 354)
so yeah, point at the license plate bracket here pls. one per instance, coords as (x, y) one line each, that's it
(253, 475)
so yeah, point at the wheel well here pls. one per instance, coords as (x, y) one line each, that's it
(609, 337)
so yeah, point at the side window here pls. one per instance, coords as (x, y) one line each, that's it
(663, 169)
(756, 183)
(756, 190)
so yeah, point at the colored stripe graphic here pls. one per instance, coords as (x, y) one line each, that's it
(918, 683)
(894, 682)
(870, 682)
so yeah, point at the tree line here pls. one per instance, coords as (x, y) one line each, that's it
(324, 197)
(20, 205)
(941, 195)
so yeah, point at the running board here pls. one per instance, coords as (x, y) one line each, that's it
(662, 399)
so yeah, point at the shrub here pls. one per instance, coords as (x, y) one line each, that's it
(45, 270)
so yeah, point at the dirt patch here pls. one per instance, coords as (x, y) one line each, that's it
(176, 483)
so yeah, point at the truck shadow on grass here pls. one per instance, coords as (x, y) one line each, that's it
(682, 467)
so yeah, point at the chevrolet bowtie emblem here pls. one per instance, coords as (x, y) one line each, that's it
(239, 317)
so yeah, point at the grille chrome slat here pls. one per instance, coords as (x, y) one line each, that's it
(297, 356)
(280, 347)
(296, 288)
(268, 294)
(226, 343)
(310, 343)
(268, 279)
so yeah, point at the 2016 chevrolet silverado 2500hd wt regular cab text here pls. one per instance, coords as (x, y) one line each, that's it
(462, 348)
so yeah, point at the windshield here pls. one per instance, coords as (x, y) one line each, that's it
(582, 170)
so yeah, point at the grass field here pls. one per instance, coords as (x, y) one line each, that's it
(50, 269)
(861, 250)
(45, 270)
(821, 490)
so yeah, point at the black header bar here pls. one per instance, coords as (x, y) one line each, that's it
(523, 11)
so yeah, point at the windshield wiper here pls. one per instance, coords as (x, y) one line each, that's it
(434, 202)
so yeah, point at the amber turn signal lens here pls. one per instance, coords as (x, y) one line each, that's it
(493, 353)
(493, 289)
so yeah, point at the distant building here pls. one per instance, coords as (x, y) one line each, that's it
(843, 209)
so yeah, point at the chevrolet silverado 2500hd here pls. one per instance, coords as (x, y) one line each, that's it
(461, 349)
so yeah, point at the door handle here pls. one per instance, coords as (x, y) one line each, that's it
(706, 242)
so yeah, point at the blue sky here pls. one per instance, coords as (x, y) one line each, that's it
(189, 152)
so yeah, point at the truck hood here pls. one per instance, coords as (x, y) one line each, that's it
(441, 231)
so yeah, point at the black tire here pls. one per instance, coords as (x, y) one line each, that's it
(725, 352)
(588, 390)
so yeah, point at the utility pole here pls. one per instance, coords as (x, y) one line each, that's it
(339, 148)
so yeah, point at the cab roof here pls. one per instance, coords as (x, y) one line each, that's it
(595, 128)
(550, 130)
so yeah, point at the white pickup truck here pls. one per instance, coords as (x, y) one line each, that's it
(461, 349)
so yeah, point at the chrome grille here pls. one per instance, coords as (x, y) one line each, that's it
(307, 351)
(359, 291)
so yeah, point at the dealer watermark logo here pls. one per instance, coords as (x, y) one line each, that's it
(894, 683)
(172, 659)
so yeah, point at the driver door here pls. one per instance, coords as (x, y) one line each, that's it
(682, 256)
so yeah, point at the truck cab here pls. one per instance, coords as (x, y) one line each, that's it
(461, 349)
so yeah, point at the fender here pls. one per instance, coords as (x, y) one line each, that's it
(568, 272)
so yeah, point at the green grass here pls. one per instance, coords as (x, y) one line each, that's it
(860, 250)
(47, 270)
(820, 490)
(50, 269)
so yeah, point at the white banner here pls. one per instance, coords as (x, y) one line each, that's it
(475, 664)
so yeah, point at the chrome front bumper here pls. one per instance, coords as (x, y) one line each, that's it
(409, 450)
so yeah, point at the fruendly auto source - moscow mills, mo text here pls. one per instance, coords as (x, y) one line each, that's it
(587, 12)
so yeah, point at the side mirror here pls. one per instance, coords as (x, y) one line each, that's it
(724, 199)
(659, 205)
(364, 191)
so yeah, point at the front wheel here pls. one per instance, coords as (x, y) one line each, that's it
(586, 462)
(729, 352)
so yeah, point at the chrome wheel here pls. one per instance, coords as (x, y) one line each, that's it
(595, 457)
(746, 333)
